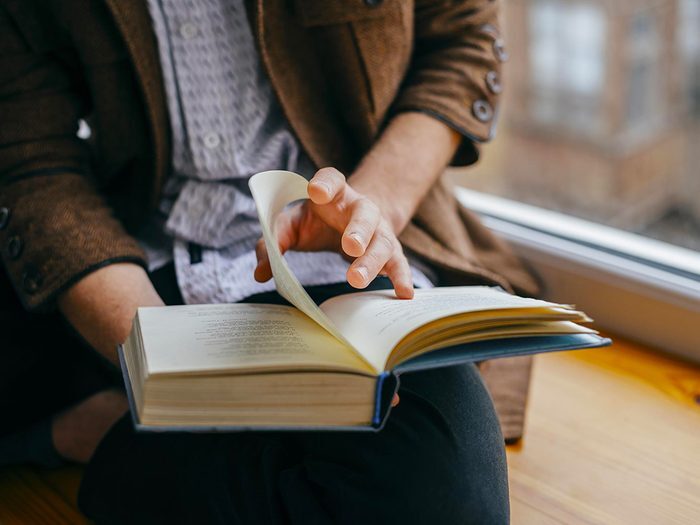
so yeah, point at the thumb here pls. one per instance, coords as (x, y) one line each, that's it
(287, 234)
(395, 400)
(263, 271)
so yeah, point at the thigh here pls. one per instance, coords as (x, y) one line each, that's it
(439, 459)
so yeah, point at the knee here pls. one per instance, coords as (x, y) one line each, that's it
(440, 459)
(452, 456)
(449, 483)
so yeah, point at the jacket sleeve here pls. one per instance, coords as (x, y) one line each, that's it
(455, 70)
(55, 227)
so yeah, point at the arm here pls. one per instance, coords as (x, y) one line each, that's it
(102, 305)
(454, 75)
(404, 164)
(444, 107)
(59, 228)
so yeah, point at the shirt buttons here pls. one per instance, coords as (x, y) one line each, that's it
(499, 49)
(493, 83)
(188, 30)
(14, 247)
(482, 110)
(31, 280)
(211, 140)
(4, 217)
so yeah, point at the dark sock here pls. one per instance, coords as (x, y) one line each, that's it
(32, 445)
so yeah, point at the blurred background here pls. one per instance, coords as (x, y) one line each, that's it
(601, 114)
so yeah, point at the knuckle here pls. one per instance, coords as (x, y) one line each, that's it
(366, 204)
(385, 241)
(399, 264)
(374, 258)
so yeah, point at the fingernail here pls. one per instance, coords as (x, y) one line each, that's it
(356, 237)
(363, 273)
(324, 186)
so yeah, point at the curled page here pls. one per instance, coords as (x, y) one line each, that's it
(272, 192)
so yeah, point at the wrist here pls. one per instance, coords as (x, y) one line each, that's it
(404, 164)
(101, 306)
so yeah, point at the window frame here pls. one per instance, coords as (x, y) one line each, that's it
(636, 287)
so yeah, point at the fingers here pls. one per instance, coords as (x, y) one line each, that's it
(263, 271)
(336, 208)
(326, 185)
(398, 270)
(364, 219)
(395, 400)
(384, 254)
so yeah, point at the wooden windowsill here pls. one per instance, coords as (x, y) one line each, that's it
(612, 436)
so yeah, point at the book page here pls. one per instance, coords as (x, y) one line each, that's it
(374, 322)
(244, 337)
(272, 192)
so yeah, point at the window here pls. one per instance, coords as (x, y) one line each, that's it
(644, 50)
(689, 48)
(567, 63)
(594, 175)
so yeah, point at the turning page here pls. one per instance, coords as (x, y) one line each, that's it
(272, 192)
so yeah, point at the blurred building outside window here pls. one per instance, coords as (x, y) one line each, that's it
(601, 114)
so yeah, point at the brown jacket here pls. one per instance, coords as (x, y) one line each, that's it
(340, 68)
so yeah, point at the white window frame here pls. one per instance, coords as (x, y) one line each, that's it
(639, 288)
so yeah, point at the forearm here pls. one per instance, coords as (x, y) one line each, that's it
(405, 162)
(102, 305)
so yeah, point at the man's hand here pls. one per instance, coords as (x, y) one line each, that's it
(339, 218)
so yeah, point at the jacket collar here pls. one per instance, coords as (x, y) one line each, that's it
(288, 54)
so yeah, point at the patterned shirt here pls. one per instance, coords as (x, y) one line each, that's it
(226, 126)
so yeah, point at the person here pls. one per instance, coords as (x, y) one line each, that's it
(146, 203)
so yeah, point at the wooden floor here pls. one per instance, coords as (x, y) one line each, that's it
(612, 437)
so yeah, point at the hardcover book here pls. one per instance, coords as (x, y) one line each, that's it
(332, 366)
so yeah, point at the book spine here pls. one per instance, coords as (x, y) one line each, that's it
(377, 419)
(387, 386)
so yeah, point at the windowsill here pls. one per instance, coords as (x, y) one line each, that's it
(643, 289)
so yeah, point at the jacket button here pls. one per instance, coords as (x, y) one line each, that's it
(4, 217)
(482, 110)
(489, 29)
(14, 247)
(499, 49)
(373, 3)
(31, 280)
(493, 82)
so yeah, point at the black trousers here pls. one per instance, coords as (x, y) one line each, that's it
(439, 460)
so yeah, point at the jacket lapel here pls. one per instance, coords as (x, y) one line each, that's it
(134, 24)
(288, 55)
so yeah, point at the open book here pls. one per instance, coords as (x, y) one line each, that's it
(334, 366)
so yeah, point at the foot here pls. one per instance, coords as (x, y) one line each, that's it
(77, 431)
